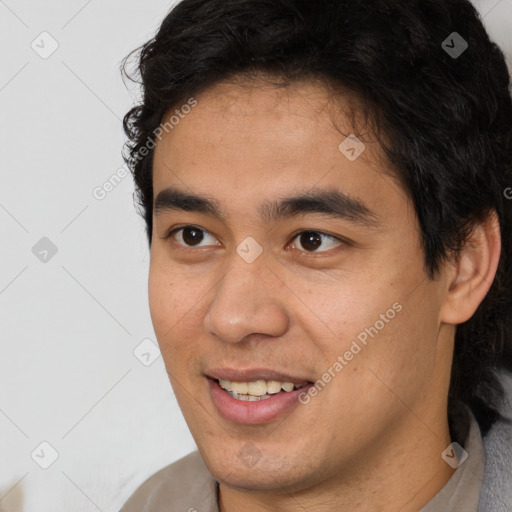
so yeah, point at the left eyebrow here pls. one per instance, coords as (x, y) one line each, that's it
(329, 202)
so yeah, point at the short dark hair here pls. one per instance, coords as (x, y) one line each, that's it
(447, 121)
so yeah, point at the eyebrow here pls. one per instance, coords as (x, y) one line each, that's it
(328, 202)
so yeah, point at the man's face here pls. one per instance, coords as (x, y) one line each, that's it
(346, 287)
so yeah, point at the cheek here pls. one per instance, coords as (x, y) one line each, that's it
(399, 360)
(337, 313)
(167, 301)
(160, 298)
(176, 305)
(168, 305)
(385, 335)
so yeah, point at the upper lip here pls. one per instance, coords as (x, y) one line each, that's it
(253, 374)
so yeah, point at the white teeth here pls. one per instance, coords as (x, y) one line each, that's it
(259, 388)
(239, 387)
(248, 398)
(224, 384)
(273, 386)
(287, 386)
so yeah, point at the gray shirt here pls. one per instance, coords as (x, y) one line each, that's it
(462, 492)
(187, 486)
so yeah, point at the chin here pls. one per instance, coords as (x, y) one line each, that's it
(238, 471)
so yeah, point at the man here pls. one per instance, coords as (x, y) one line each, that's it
(324, 187)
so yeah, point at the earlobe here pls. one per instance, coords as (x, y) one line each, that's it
(474, 272)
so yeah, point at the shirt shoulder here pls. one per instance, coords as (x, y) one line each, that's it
(497, 484)
(462, 492)
(184, 485)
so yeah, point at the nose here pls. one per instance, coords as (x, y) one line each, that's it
(247, 301)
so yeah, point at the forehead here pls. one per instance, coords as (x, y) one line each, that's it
(259, 138)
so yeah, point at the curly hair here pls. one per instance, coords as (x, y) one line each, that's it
(444, 122)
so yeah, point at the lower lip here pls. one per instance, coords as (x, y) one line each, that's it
(260, 411)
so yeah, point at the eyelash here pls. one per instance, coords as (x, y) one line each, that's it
(173, 231)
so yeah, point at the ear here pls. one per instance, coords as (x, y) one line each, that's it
(473, 272)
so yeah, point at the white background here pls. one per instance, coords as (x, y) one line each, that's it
(69, 326)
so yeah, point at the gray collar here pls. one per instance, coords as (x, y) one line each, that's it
(462, 491)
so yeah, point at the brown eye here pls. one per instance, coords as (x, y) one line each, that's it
(310, 241)
(192, 236)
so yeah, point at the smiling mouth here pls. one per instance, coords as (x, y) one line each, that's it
(256, 391)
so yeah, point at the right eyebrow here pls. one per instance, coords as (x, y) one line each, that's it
(174, 199)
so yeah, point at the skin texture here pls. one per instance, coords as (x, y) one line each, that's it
(372, 439)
